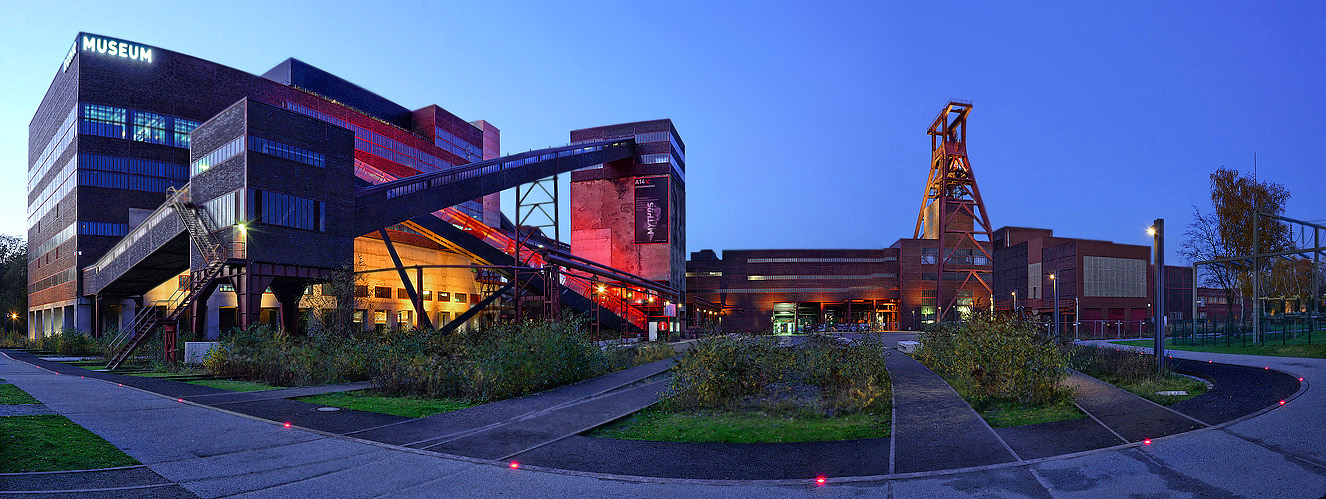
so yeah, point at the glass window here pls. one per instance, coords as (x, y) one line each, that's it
(151, 128)
(427, 295)
(287, 151)
(443, 296)
(105, 121)
(461, 298)
(274, 208)
(381, 292)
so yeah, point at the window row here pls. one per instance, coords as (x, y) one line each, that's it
(221, 154)
(102, 229)
(948, 276)
(93, 178)
(274, 208)
(59, 238)
(136, 166)
(653, 159)
(136, 125)
(385, 292)
(704, 274)
(49, 154)
(458, 146)
(377, 144)
(222, 209)
(819, 277)
(287, 151)
(56, 279)
(54, 192)
(822, 260)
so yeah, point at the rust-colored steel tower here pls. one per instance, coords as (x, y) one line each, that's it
(952, 212)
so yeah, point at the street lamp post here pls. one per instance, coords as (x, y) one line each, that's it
(1157, 231)
(1015, 303)
(1055, 282)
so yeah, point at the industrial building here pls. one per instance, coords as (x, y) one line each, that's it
(943, 271)
(169, 191)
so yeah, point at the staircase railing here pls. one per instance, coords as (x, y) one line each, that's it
(145, 321)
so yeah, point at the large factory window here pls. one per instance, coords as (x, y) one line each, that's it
(274, 208)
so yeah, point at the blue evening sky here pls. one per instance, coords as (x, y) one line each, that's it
(804, 122)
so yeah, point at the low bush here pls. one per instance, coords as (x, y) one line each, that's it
(1133, 371)
(493, 363)
(821, 377)
(996, 359)
(70, 343)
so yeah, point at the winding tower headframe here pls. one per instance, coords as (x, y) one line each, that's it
(952, 211)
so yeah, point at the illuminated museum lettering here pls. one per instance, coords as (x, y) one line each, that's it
(116, 48)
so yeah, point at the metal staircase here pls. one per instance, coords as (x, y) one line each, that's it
(169, 310)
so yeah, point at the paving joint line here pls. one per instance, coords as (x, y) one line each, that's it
(569, 435)
(1195, 420)
(596, 394)
(984, 423)
(113, 468)
(1099, 422)
(451, 437)
(81, 491)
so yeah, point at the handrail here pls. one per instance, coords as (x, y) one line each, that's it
(161, 213)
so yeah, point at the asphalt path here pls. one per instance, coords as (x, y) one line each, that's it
(213, 452)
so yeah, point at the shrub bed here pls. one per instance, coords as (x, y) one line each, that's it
(494, 363)
(750, 389)
(1000, 364)
(1133, 371)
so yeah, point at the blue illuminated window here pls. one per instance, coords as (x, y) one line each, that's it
(183, 128)
(274, 208)
(287, 151)
(105, 121)
(151, 128)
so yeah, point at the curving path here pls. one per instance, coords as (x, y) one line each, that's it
(213, 452)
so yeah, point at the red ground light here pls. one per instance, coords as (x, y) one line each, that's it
(515, 465)
(287, 424)
(1146, 442)
(1282, 402)
(819, 481)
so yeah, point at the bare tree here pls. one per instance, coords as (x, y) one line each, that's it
(1227, 231)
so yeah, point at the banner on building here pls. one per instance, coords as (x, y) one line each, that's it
(651, 210)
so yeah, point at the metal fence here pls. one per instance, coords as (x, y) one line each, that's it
(1276, 330)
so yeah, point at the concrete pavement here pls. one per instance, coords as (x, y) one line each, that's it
(211, 452)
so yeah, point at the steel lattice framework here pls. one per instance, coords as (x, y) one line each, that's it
(952, 210)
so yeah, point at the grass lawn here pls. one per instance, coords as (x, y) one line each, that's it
(53, 443)
(1147, 388)
(363, 400)
(714, 426)
(11, 395)
(1003, 414)
(233, 385)
(1296, 347)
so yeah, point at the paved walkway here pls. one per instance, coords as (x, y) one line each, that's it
(218, 399)
(444, 427)
(933, 427)
(214, 453)
(1127, 415)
